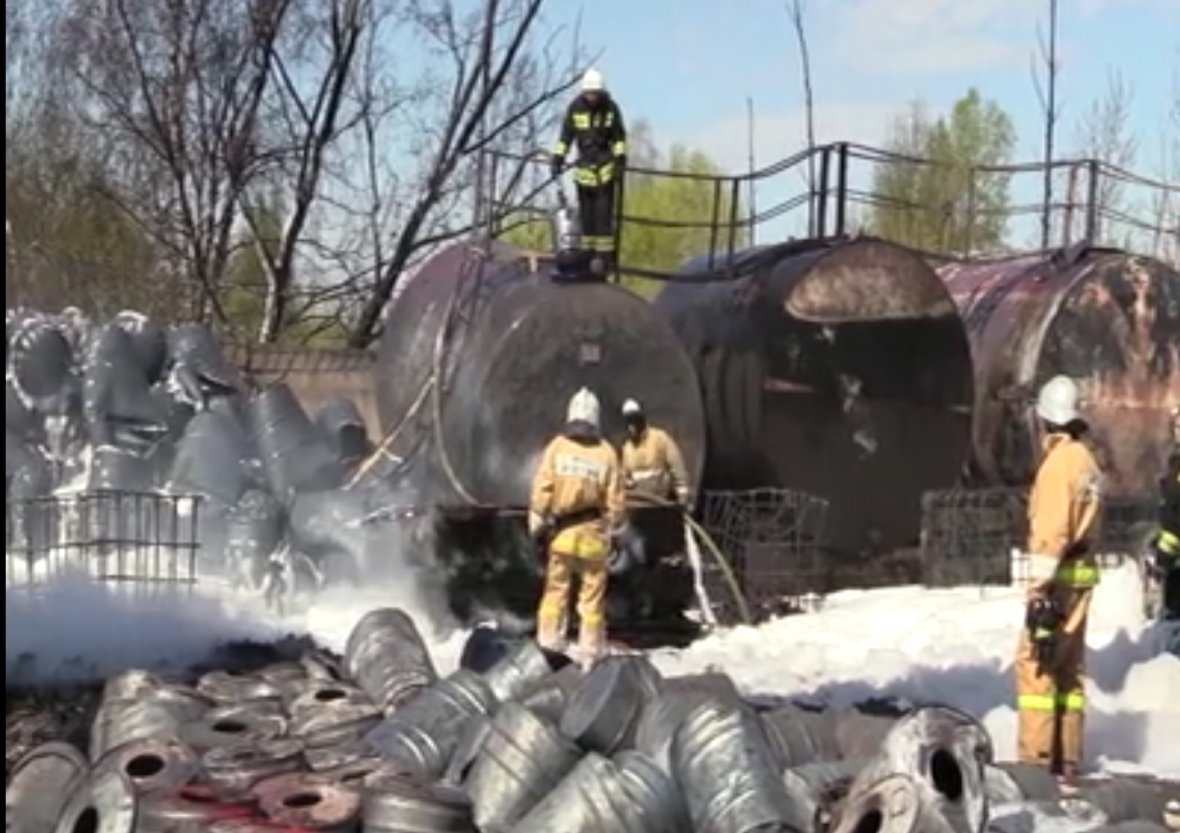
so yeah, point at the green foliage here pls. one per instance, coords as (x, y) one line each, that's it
(671, 216)
(947, 205)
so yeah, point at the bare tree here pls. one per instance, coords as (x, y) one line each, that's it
(289, 160)
(492, 91)
(311, 115)
(1103, 136)
(797, 9)
(182, 84)
(1047, 95)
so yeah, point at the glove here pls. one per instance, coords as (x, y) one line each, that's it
(557, 165)
(621, 162)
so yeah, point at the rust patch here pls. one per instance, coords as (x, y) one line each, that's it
(1108, 319)
(865, 281)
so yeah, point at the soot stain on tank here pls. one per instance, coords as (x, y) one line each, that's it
(838, 368)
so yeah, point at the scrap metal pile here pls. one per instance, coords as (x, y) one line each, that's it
(516, 742)
(128, 407)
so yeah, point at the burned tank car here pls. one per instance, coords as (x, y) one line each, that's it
(836, 368)
(1109, 319)
(513, 347)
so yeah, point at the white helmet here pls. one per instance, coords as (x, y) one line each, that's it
(583, 407)
(632, 408)
(593, 82)
(1058, 401)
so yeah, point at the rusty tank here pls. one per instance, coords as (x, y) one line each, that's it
(511, 346)
(839, 368)
(1109, 319)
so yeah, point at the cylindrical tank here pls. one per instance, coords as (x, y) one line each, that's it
(1109, 319)
(514, 347)
(837, 368)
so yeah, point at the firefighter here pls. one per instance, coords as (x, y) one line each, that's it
(594, 123)
(1063, 513)
(1167, 543)
(576, 514)
(652, 462)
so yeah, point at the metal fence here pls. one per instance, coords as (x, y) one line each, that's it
(968, 535)
(773, 540)
(114, 536)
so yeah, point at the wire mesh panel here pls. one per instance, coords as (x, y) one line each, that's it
(108, 535)
(772, 539)
(968, 535)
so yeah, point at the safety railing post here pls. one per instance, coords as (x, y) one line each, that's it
(969, 224)
(842, 189)
(734, 198)
(821, 212)
(1092, 218)
(714, 230)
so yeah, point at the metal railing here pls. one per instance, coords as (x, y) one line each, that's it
(773, 540)
(110, 536)
(838, 189)
(968, 535)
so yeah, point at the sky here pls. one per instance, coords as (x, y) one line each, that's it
(688, 66)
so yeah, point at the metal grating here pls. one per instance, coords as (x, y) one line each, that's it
(773, 539)
(968, 535)
(114, 536)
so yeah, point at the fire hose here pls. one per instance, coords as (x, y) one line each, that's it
(694, 531)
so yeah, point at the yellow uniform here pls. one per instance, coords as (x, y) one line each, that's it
(1063, 513)
(579, 488)
(653, 465)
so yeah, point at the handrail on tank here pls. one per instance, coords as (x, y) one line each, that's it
(831, 194)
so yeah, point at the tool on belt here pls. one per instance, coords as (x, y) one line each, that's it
(1044, 620)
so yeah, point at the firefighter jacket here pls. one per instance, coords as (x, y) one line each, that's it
(1064, 510)
(579, 488)
(1169, 540)
(600, 136)
(654, 465)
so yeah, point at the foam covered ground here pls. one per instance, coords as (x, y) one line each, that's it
(952, 646)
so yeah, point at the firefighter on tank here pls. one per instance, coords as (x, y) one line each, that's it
(594, 125)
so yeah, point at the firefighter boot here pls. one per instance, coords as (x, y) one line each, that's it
(591, 642)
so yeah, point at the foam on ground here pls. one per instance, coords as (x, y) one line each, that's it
(952, 646)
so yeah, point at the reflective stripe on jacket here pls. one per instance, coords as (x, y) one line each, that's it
(600, 137)
(1170, 508)
(654, 465)
(575, 476)
(1064, 508)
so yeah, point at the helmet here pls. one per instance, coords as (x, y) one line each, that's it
(632, 408)
(593, 82)
(583, 407)
(1058, 401)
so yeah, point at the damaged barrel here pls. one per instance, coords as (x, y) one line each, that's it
(1109, 319)
(499, 333)
(836, 368)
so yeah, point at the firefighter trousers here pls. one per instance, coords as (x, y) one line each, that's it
(1051, 701)
(596, 208)
(551, 616)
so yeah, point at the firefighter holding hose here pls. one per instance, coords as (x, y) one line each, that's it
(1064, 510)
(594, 124)
(1167, 543)
(652, 463)
(576, 514)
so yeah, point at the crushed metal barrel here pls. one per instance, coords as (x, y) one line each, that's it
(378, 742)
